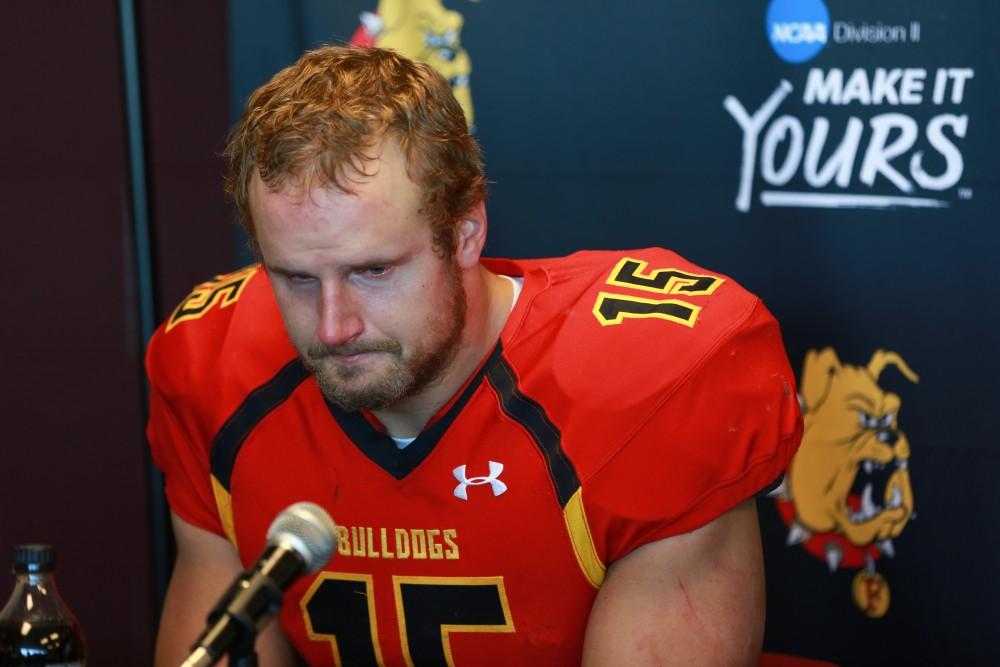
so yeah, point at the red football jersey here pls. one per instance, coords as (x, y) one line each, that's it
(632, 396)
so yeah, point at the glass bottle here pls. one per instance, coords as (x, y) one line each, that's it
(36, 626)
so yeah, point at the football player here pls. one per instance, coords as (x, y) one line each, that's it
(542, 462)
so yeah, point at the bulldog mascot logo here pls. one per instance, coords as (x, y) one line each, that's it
(424, 31)
(847, 493)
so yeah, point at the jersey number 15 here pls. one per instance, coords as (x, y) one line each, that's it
(613, 307)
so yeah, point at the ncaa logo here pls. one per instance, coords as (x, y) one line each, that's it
(797, 29)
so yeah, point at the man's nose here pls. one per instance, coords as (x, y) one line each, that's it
(339, 320)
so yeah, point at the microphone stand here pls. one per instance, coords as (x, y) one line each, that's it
(260, 597)
(300, 540)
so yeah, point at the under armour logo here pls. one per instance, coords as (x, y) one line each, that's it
(493, 479)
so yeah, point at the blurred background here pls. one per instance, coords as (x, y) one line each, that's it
(836, 157)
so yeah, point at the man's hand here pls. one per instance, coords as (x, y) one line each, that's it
(694, 599)
(206, 565)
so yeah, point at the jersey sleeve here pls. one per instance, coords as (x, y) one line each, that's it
(184, 462)
(223, 341)
(722, 435)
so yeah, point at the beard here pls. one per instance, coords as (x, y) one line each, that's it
(404, 376)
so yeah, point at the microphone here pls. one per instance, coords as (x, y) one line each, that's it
(301, 540)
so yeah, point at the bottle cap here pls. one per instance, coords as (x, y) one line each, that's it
(31, 558)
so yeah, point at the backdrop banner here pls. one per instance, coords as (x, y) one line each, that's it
(834, 156)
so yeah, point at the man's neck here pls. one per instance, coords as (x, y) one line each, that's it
(489, 304)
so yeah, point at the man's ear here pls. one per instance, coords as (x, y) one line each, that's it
(471, 236)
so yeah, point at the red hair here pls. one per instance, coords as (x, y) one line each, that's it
(322, 116)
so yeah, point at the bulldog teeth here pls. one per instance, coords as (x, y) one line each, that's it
(870, 509)
(886, 547)
(897, 498)
(868, 506)
(869, 466)
(902, 464)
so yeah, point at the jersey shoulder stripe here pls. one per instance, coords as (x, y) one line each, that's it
(227, 442)
(220, 359)
(531, 415)
(257, 405)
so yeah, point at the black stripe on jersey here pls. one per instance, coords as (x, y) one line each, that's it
(529, 414)
(382, 450)
(258, 403)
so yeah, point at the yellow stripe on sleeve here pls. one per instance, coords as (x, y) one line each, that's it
(583, 543)
(225, 504)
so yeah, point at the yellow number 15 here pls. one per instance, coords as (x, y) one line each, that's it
(613, 307)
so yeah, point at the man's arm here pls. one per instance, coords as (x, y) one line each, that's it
(206, 565)
(694, 599)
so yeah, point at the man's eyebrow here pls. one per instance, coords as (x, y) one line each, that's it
(361, 265)
(282, 271)
(379, 261)
(367, 264)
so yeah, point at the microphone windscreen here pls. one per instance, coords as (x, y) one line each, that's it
(309, 530)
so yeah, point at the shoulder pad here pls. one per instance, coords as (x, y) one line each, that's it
(615, 333)
(227, 331)
(634, 321)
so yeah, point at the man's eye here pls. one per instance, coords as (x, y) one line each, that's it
(376, 271)
(297, 279)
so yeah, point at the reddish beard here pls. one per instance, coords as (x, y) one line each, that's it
(404, 376)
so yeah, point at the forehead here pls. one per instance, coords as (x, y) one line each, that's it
(378, 205)
(380, 175)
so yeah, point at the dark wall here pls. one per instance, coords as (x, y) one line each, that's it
(74, 469)
(184, 58)
(73, 458)
(183, 84)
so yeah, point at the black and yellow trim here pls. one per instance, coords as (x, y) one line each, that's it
(583, 542)
(528, 413)
(224, 506)
(234, 432)
(547, 437)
